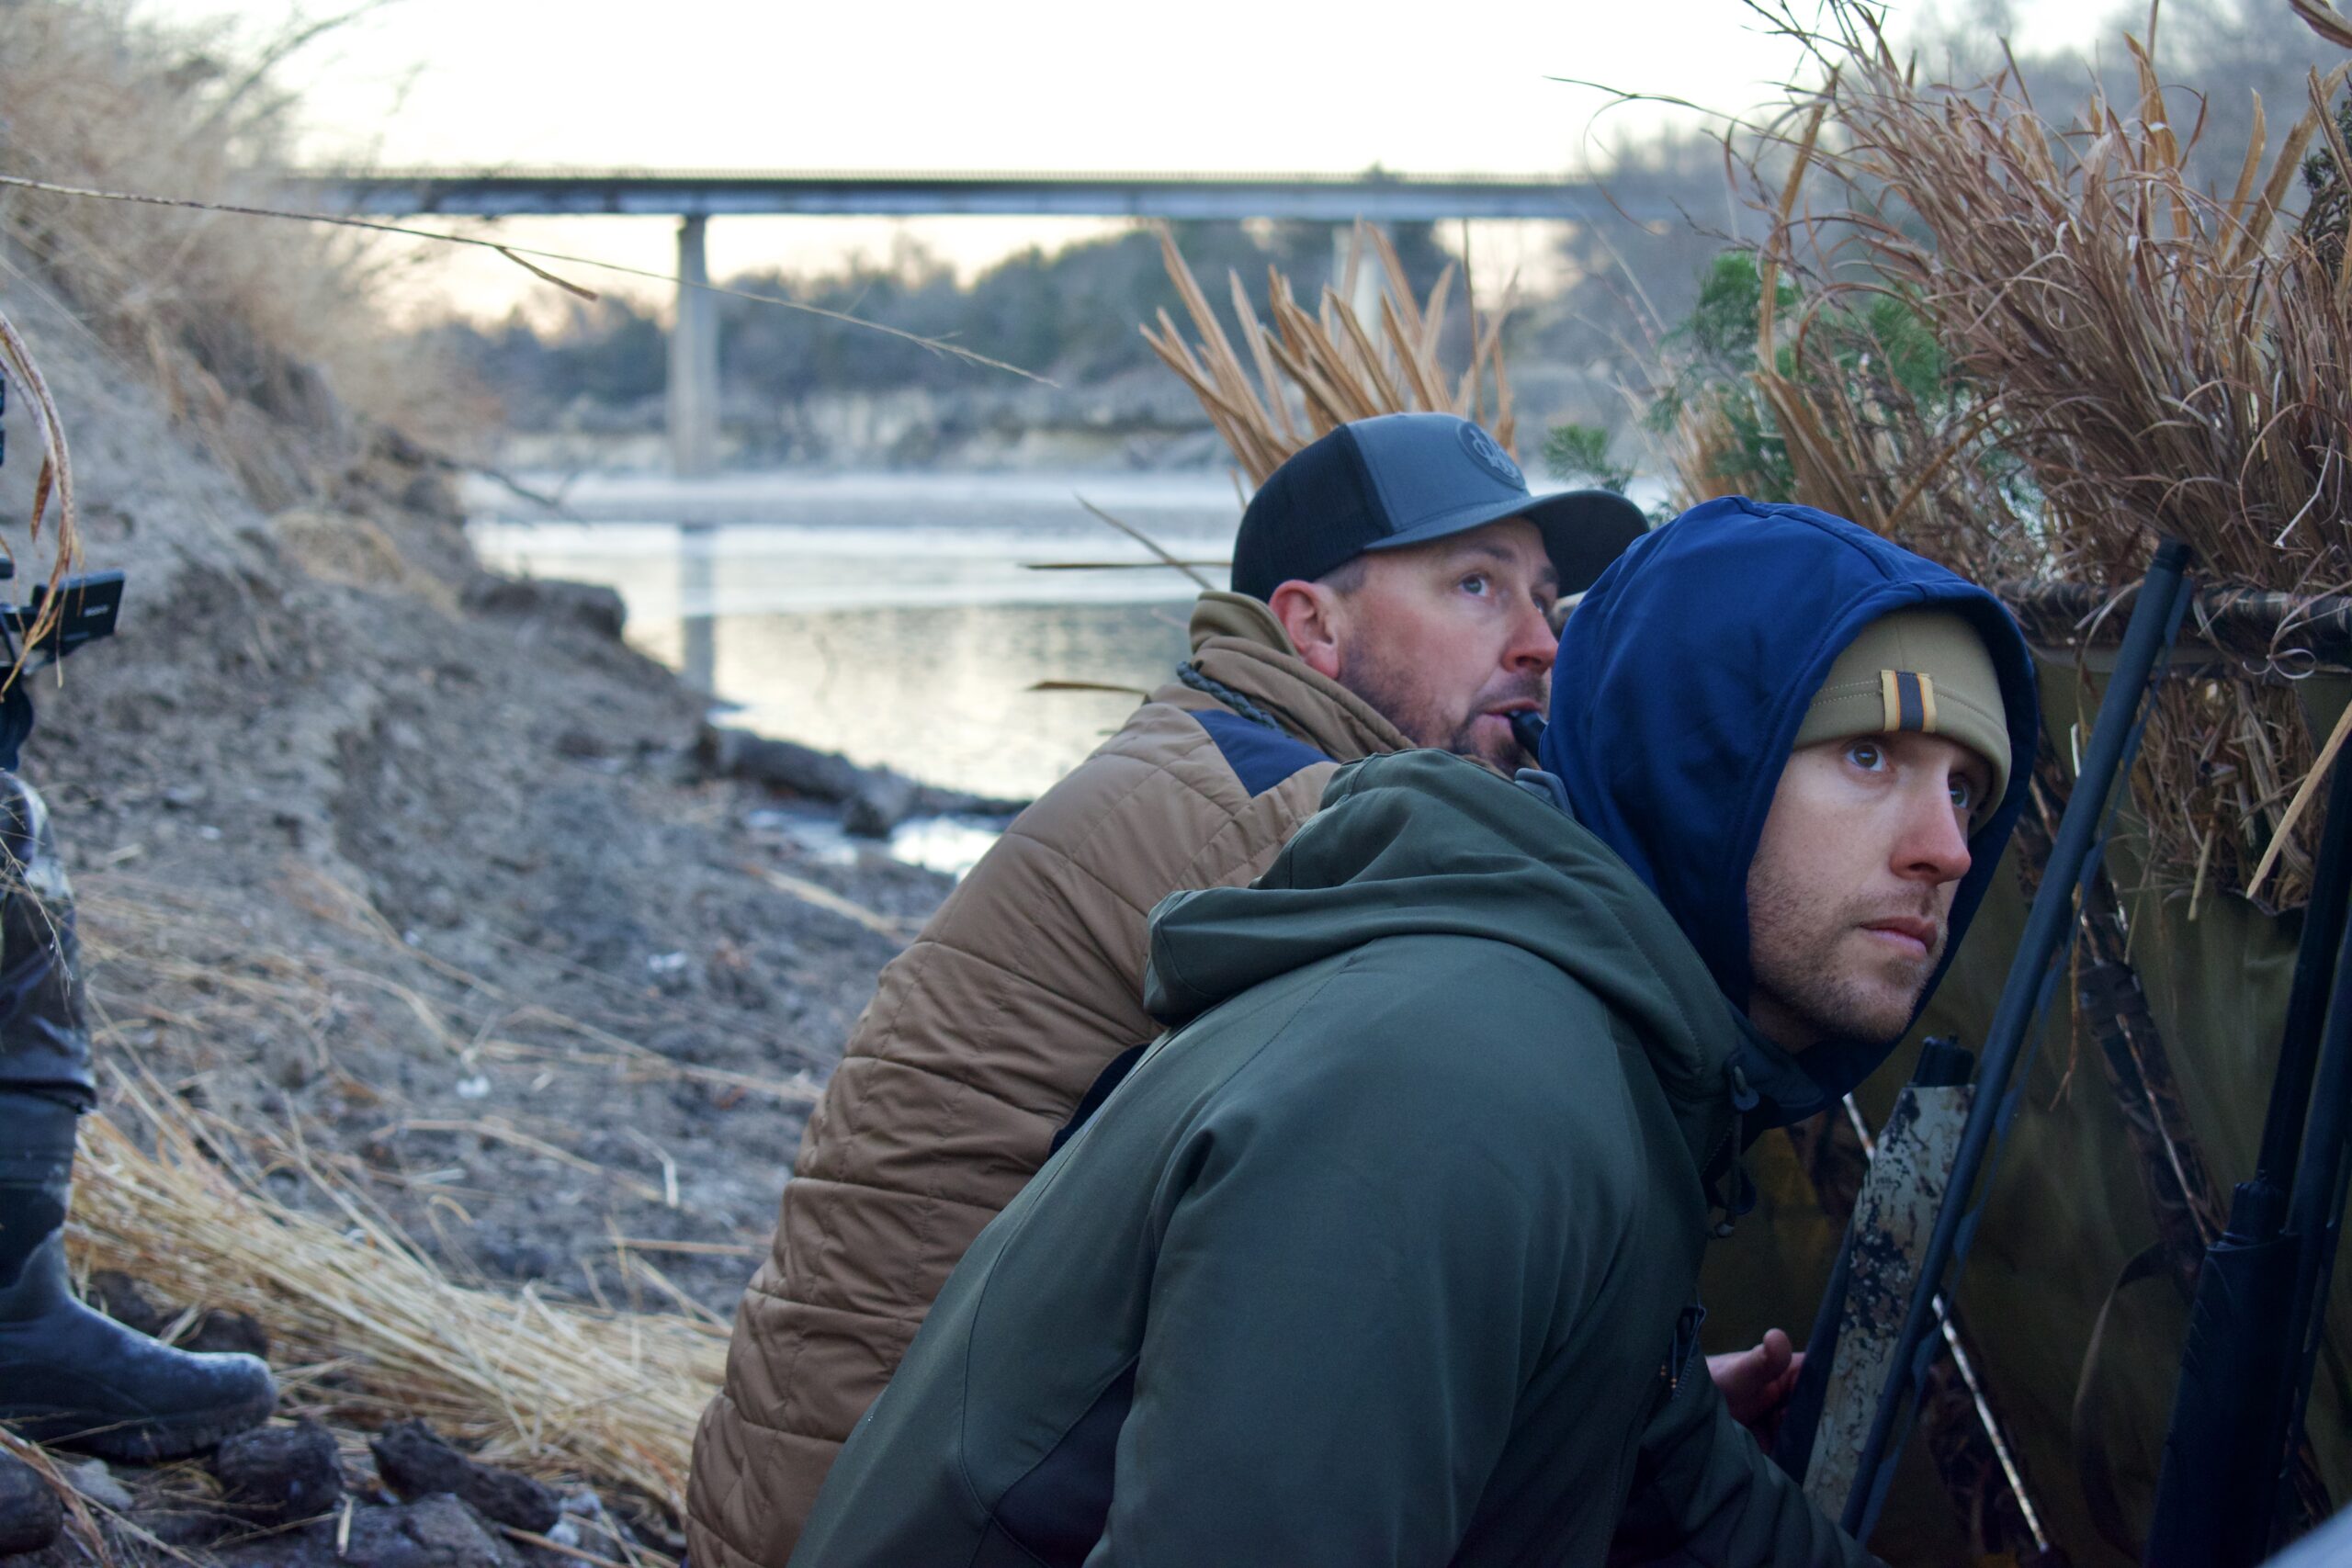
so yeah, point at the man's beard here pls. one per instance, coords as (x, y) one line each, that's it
(1793, 945)
(1417, 718)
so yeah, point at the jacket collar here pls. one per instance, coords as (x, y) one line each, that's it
(1237, 642)
(1424, 843)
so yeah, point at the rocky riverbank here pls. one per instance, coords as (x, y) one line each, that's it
(1139, 420)
(1143, 421)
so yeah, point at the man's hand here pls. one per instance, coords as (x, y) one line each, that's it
(1756, 1384)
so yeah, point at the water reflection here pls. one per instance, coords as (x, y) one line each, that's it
(941, 693)
(895, 618)
(949, 845)
(698, 643)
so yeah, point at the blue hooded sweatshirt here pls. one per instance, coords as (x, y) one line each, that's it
(1682, 680)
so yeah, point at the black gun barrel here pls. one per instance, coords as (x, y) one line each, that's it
(2216, 1495)
(2316, 966)
(2315, 1220)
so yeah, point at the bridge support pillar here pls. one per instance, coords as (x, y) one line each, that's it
(694, 359)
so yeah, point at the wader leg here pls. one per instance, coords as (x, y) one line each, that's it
(69, 1375)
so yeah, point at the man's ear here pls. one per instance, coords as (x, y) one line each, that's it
(1310, 614)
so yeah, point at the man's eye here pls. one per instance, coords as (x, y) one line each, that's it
(1964, 794)
(1866, 754)
(1477, 582)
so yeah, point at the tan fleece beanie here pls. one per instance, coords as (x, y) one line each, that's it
(1919, 670)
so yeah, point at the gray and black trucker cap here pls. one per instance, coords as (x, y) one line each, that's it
(1406, 478)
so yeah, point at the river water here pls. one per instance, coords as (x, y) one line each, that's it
(895, 618)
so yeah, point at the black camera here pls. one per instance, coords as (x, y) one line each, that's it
(86, 609)
(89, 605)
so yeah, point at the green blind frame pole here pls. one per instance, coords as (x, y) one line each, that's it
(2048, 932)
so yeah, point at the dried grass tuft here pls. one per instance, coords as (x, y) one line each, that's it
(278, 1216)
(1314, 371)
(365, 1328)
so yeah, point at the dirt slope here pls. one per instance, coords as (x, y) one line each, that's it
(371, 842)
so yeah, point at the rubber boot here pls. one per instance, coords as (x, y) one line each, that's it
(72, 1376)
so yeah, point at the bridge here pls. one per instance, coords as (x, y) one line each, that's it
(696, 197)
(1312, 197)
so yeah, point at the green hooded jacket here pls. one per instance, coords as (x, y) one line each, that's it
(1386, 1254)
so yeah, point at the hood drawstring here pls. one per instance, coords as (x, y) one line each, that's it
(1740, 1199)
(1190, 674)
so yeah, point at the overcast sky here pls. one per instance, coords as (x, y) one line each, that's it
(1071, 85)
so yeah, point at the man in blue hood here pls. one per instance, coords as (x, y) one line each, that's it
(1386, 1253)
(1696, 685)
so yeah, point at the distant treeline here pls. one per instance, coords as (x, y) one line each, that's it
(1072, 314)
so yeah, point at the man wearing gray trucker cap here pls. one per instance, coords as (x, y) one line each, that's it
(1360, 545)
(1392, 584)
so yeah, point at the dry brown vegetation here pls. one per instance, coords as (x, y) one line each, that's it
(280, 1219)
(268, 337)
(1319, 369)
(271, 348)
(2123, 354)
(366, 1330)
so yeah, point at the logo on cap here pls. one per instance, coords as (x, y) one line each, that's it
(1907, 701)
(1491, 458)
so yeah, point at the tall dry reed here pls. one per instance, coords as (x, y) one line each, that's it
(1316, 370)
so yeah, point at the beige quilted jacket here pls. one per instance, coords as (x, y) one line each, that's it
(978, 1043)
